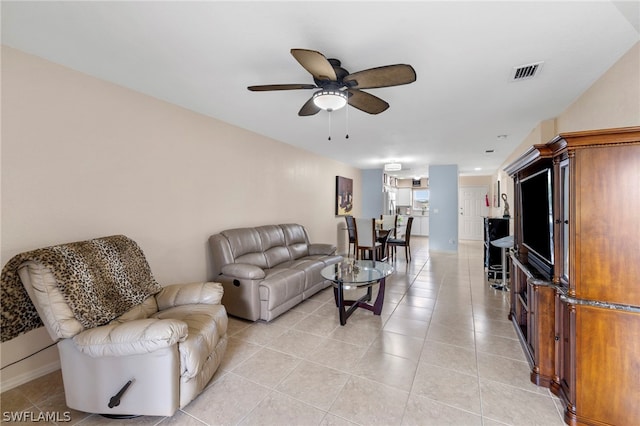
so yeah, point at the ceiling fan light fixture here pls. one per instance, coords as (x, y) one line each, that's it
(330, 100)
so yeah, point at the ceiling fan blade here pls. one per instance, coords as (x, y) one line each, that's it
(309, 108)
(366, 102)
(389, 75)
(315, 63)
(268, 87)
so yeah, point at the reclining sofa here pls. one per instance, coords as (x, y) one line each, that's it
(267, 270)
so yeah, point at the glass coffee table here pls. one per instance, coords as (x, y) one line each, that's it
(352, 274)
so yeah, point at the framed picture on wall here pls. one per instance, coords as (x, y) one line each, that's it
(496, 194)
(344, 196)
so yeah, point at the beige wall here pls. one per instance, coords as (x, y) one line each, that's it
(83, 158)
(612, 101)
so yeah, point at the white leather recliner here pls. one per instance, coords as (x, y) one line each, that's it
(152, 360)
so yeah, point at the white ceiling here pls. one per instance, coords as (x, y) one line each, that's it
(203, 55)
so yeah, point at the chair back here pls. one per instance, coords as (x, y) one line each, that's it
(408, 234)
(365, 232)
(351, 228)
(389, 222)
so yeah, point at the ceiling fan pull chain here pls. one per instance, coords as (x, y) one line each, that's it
(329, 125)
(347, 112)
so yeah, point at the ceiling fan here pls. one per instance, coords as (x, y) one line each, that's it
(338, 87)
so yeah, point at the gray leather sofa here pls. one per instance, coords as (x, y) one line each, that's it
(267, 270)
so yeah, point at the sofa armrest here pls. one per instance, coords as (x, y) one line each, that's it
(131, 338)
(189, 294)
(315, 249)
(243, 271)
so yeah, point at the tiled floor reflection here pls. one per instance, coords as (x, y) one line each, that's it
(442, 353)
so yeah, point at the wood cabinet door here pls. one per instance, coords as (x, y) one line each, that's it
(542, 333)
(607, 229)
(565, 382)
(607, 367)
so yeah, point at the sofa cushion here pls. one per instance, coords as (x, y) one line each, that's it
(280, 285)
(143, 310)
(273, 245)
(246, 246)
(209, 293)
(296, 240)
(207, 324)
(310, 267)
(128, 338)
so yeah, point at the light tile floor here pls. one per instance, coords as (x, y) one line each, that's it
(441, 353)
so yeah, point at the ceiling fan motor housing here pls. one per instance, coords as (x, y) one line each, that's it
(341, 73)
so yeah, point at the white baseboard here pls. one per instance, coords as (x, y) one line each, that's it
(23, 378)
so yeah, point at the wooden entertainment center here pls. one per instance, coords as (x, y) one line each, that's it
(575, 305)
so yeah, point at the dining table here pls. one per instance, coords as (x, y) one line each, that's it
(383, 234)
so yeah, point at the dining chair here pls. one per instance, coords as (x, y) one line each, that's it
(366, 241)
(382, 238)
(392, 243)
(390, 223)
(351, 230)
(388, 229)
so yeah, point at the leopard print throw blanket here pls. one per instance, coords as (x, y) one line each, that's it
(100, 279)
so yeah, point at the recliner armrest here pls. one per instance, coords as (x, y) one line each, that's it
(243, 271)
(319, 248)
(131, 338)
(188, 294)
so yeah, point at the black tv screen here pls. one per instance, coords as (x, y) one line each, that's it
(537, 220)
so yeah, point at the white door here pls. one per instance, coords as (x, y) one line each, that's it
(473, 209)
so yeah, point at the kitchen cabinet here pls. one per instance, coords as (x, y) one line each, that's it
(404, 197)
(420, 226)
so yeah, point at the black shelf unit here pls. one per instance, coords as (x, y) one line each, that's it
(494, 228)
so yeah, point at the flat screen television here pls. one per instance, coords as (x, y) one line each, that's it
(537, 220)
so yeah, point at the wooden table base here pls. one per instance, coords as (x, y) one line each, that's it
(341, 303)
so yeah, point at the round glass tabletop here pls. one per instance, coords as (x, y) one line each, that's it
(357, 272)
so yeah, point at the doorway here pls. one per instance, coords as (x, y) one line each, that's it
(473, 208)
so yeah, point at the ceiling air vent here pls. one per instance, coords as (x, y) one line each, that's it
(525, 72)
